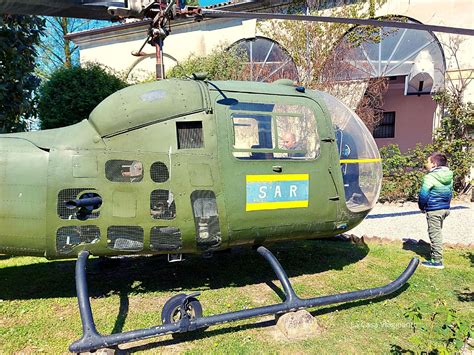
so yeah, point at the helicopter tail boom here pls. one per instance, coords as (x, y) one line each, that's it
(23, 197)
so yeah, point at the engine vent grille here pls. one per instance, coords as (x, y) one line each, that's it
(190, 135)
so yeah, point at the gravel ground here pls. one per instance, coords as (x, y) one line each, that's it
(398, 222)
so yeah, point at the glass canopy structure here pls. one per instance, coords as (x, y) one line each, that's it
(266, 60)
(366, 53)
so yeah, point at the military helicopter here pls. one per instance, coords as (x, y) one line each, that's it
(188, 166)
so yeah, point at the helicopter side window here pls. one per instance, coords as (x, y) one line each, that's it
(65, 212)
(124, 170)
(127, 238)
(279, 131)
(69, 237)
(206, 219)
(159, 172)
(165, 239)
(297, 134)
(252, 131)
(162, 205)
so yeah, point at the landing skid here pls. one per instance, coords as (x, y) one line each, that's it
(92, 340)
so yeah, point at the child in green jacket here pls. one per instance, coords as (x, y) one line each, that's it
(434, 199)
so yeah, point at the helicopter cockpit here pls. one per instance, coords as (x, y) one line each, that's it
(359, 157)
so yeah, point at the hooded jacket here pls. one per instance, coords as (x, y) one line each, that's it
(436, 190)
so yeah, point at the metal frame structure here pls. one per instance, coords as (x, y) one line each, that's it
(92, 340)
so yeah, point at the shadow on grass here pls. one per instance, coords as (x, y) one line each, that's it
(465, 295)
(470, 256)
(420, 247)
(148, 274)
(254, 325)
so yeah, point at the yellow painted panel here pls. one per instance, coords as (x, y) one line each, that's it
(275, 205)
(284, 177)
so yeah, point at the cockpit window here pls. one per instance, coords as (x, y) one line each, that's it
(359, 157)
(274, 131)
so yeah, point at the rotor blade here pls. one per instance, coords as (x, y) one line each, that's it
(356, 21)
(90, 9)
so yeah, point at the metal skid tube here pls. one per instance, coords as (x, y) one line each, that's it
(92, 340)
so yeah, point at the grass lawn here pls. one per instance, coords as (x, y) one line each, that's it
(38, 308)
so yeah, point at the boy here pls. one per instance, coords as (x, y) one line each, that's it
(434, 199)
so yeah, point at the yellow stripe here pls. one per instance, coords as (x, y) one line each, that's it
(356, 161)
(284, 177)
(275, 205)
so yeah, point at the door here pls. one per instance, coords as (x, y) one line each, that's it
(274, 167)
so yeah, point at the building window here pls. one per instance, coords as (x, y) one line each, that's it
(386, 127)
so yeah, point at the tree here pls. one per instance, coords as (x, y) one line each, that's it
(72, 93)
(457, 118)
(55, 50)
(310, 44)
(322, 59)
(18, 37)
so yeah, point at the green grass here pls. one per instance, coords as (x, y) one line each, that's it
(38, 308)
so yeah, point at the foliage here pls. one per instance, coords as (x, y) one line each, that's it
(72, 93)
(452, 137)
(18, 37)
(402, 173)
(220, 64)
(437, 328)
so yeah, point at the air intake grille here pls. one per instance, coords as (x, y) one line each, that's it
(69, 237)
(190, 135)
(67, 195)
(159, 172)
(165, 239)
(162, 204)
(125, 238)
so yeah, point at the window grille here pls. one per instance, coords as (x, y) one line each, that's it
(190, 135)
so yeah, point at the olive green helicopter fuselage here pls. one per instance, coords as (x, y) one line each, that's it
(188, 166)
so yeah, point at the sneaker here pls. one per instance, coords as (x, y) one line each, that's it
(433, 264)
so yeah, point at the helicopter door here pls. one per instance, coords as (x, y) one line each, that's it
(276, 180)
